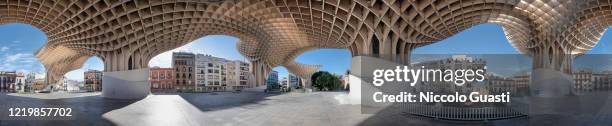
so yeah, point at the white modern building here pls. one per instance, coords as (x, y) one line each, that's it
(294, 81)
(284, 82)
(73, 85)
(29, 79)
(20, 82)
(242, 75)
(218, 74)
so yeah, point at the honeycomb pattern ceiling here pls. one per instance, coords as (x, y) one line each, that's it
(274, 32)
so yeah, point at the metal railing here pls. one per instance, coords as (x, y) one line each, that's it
(462, 113)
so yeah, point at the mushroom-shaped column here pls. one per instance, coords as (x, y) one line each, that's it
(126, 74)
(304, 71)
(58, 61)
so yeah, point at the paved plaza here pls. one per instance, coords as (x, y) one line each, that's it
(225, 108)
(230, 108)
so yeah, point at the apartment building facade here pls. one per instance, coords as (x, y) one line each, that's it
(184, 70)
(161, 79)
(218, 74)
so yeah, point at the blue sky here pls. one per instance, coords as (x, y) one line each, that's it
(17, 45)
(18, 42)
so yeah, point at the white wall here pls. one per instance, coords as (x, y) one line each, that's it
(131, 84)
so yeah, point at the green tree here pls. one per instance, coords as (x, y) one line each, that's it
(324, 81)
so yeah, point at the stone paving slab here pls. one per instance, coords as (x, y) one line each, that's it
(250, 108)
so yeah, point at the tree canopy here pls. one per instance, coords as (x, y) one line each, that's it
(325, 81)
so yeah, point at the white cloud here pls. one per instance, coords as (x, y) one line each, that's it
(77, 75)
(3, 48)
(23, 70)
(21, 62)
(23, 57)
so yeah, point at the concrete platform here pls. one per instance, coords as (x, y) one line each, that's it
(253, 108)
(131, 84)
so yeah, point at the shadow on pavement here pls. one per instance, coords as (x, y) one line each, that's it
(96, 110)
(85, 110)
